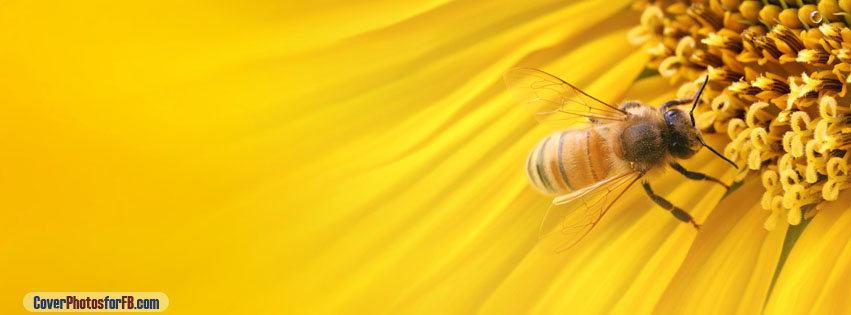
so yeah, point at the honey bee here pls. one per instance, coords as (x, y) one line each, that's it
(587, 168)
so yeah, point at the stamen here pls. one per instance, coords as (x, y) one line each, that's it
(814, 56)
(784, 37)
(743, 87)
(723, 74)
(767, 46)
(843, 54)
(730, 41)
(700, 12)
(771, 82)
(702, 58)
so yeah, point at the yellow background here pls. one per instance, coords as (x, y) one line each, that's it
(256, 157)
(147, 147)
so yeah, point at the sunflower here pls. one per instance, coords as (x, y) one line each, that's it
(438, 218)
(459, 242)
(366, 157)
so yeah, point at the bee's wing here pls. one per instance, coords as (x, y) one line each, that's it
(572, 216)
(553, 99)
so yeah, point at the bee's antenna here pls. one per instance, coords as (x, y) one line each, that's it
(716, 152)
(691, 114)
(697, 98)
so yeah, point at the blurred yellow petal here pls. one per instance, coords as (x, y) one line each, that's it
(441, 183)
(123, 157)
(816, 275)
(437, 65)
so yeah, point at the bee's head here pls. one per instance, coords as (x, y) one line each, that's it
(685, 138)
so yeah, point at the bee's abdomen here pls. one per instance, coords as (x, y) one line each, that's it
(568, 160)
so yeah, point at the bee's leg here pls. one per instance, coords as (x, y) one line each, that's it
(675, 103)
(695, 175)
(678, 213)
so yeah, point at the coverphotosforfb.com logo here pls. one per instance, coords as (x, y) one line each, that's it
(56, 302)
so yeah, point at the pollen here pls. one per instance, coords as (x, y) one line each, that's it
(779, 72)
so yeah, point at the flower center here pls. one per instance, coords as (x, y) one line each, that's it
(778, 76)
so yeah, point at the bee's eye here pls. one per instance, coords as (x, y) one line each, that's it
(673, 117)
(669, 115)
(683, 136)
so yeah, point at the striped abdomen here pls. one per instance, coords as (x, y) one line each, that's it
(568, 160)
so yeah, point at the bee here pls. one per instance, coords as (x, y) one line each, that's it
(587, 168)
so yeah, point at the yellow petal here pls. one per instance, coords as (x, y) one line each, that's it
(729, 268)
(815, 278)
(652, 91)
